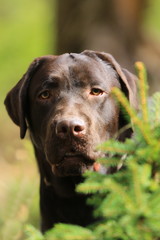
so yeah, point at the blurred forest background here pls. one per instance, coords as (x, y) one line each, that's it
(130, 30)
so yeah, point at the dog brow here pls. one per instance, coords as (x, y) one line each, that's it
(50, 83)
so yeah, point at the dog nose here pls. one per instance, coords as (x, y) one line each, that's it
(73, 127)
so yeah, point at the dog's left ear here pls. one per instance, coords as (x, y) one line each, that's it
(128, 81)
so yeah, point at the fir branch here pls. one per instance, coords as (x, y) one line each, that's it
(33, 234)
(143, 89)
(155, 109)
(92, 184)
(144, 128)
(110, 161)
(120, 190)
(134, 168)
(115, 147)
(69, 232)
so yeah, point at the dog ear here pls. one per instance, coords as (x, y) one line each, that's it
(15, 101)
(127, 79)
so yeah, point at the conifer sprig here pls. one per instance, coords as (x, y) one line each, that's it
(136, 121)
(143, 89)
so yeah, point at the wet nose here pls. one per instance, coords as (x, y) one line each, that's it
(70, 127)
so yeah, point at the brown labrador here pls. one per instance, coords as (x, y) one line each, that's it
(66, 103)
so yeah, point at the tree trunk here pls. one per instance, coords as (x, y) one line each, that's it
(106, 25)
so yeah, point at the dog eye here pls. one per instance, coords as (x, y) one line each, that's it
(45, 95)
(96, 91)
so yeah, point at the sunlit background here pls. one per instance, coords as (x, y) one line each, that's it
(32, 28)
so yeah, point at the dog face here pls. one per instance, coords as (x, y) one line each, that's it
(72, 110)
(66, 102)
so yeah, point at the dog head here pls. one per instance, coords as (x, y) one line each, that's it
(67, 105)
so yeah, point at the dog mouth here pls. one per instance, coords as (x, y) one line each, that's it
(73, 156)
(76, 164)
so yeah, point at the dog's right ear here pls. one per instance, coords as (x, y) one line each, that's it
(15, 101)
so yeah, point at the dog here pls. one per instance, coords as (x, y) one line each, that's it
(66, 103)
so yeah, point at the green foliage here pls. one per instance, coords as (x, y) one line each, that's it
(152, 23)
(26, 32)
(127, 202)
(69, 232)
(18, 199)
(33, 234)
(61, 232)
